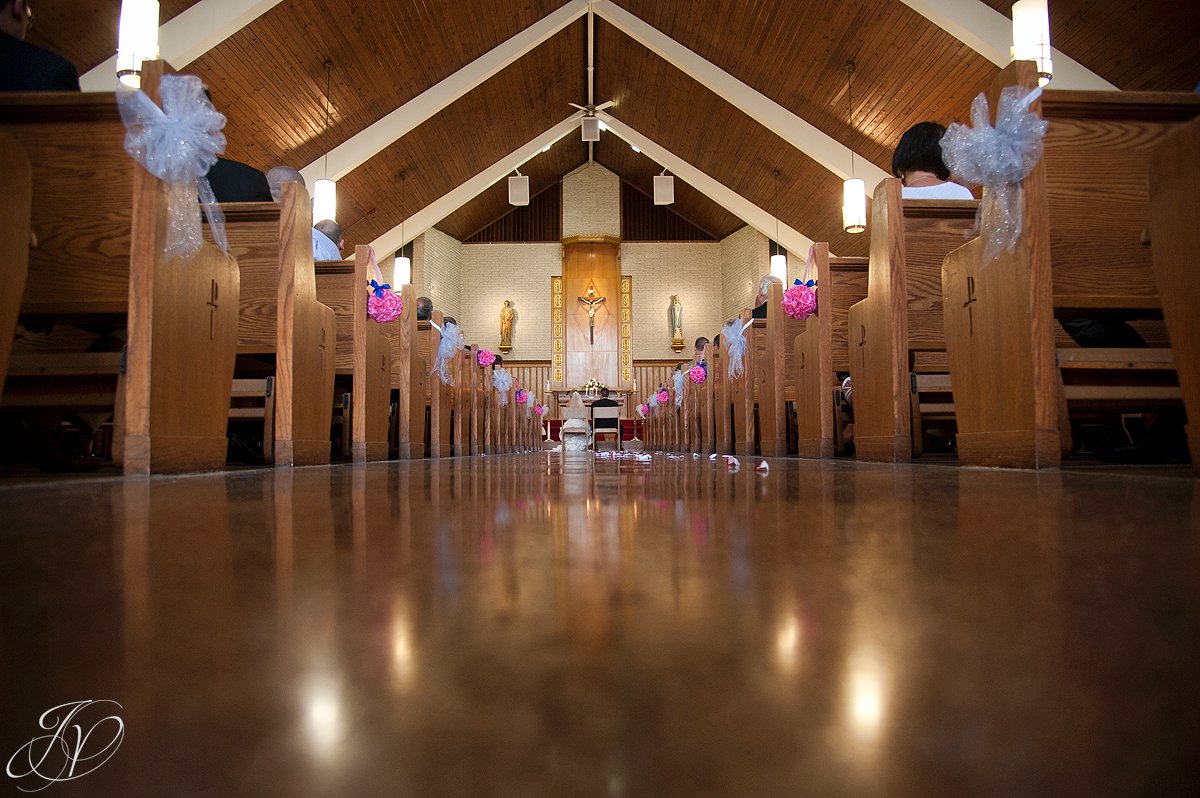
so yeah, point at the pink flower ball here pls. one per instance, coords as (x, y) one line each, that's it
(386, 308)
(539, 409)
(663, 397)
(800, 301)
(485, 357)
(521, 396)
(644, 410)
(698, 374)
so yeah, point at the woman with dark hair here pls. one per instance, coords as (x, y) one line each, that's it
(917, 161)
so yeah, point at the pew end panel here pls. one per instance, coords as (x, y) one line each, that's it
(1175, 245)
(16, 186)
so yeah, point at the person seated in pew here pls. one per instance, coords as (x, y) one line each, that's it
(918, 163)
(701, 342)
(764, 290)
(327, 240)
(278, 175)
(24, 66)
(425, 309)
(234, 181)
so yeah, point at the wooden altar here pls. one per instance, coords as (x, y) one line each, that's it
(623, 398)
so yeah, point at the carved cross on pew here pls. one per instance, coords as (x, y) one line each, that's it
(592, 301)
(322, 345)
(971, 300)
(862, 343)
(212, 313)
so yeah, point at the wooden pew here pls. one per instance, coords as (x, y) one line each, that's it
(281, 316)
(706, 402)
(821, 351)
(363, 351)
(410, 378)
(1175, 239)
(718, 374)
(741, 393)
(775, 373)
(896, 332)
(16, 186)
(1080, 256)
(98, 259)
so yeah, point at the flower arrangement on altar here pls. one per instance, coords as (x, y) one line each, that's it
(663, 396)
(699, 373)
(800, 300)
(522, 396)
(593, 386)
(485, 358)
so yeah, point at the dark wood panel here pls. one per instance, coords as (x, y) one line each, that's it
(642, 220)
(638, 170)
(1135, 44)
(490, 205)
(85, 31)
(538, 222)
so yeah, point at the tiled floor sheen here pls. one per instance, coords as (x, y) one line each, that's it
(528, 626)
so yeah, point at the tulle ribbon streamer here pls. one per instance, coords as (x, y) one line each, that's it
(998, 158)
(679, 377)
(733, 339)
(448, 349)
(178, 144)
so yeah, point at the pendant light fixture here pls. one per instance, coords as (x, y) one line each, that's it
(137, 40)
(778, 253)
(325, 190)
(518, 189)
(664, 189)
(402, 271)
(854, 190)
(1031, 36)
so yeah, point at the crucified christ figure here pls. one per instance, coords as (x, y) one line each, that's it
(593, 303)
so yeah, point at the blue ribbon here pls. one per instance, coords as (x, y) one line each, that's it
(810, 283)
(379, 289)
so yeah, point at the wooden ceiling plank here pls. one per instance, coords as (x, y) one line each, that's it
(359, 148)
(431, 214)
(805, 137)
(188, 36)
(989, 33)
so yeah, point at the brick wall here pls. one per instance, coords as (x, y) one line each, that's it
(437, 260)
(591, 202)
(492, 273)
(745, 257)
(691, 270)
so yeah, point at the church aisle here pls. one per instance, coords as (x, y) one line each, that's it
(530, 625)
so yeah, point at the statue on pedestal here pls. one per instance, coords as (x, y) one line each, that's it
(676, 319)
(507, 314)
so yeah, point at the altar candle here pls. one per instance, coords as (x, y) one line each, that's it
(547, 386)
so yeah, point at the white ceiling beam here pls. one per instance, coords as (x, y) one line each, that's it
(430, 215)
(989, 33)
(188, 36)
(823, 149)
(791, 239)
(367, 143)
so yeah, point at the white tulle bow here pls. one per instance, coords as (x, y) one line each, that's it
(998, 158)
(733, 341)
(450, 348)
(502, 381)
(679, 377)
(178, 144)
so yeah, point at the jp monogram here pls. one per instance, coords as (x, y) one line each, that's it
(79, 742)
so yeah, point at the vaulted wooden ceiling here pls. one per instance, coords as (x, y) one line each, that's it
(269, 79)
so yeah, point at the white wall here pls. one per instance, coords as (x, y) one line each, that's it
(591, 202)
(745, 257)
(692, 270)
(492, 273)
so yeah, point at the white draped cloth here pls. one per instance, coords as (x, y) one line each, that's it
(576, 433)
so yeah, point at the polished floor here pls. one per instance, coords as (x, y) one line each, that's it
(532, 626)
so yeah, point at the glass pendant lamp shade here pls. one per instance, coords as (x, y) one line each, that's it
(324, 200)
(854, 205)
(137, 39)
(402, 273)
(779, 266)
(1031, 36)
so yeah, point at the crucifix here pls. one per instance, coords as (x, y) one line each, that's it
(593, 302)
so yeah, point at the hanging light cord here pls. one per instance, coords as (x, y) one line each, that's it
(777, 247)
(850, 99)
(328, 82)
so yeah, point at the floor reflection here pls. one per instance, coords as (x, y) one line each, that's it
(549, 624)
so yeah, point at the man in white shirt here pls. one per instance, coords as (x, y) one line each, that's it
(327, 240)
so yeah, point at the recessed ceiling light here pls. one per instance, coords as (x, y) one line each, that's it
(635, 148)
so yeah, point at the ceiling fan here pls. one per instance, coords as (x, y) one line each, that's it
(590, 122)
